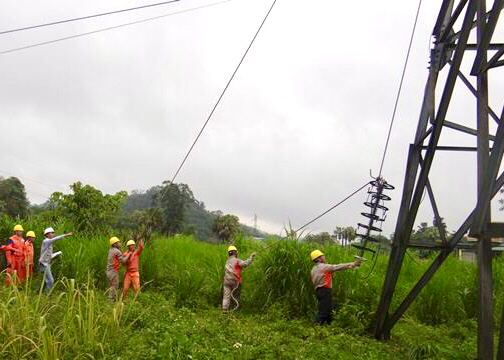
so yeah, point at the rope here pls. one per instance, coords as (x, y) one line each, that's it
(223, 92)
(332, 208)
(375, 260)
(8, 51)
(86, 17)
(234, 299)
(398, 96)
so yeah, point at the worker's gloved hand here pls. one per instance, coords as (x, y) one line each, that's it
(253, 255)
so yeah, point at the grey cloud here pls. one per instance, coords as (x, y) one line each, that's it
(299, 129)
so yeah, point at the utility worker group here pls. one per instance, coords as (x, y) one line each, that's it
(19, 254)
(130, 259)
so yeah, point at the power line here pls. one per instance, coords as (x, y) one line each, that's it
(391, 120)
(400, 88)
(223, 92)
(332, 207)
(22, 177)
(86, 17)
(8, 51)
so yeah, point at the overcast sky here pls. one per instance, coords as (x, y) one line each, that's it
(299, 129)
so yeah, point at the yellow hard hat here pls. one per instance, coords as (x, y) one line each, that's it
(232, 248)
(18, 228)
(30, 234)
(130, 242)
(113, 240)
(315, 254)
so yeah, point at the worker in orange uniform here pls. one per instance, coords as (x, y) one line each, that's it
(132, 275)
(321, 276)
(114, 261)
(233, 277)
(8, 249)
(29, 253)
(16, 271)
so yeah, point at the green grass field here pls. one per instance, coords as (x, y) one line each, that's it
(177, 315)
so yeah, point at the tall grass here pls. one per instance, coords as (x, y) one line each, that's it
(190, 272)
(75, 323)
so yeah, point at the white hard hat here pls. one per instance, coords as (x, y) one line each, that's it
(48, 230)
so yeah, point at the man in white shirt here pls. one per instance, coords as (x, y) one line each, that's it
(47, 254)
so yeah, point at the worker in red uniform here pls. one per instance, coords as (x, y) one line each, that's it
(233, 277)
(16, 271)
(132, 275)
(321, 276)
(114, 260)
(29, 253)
(8, 249)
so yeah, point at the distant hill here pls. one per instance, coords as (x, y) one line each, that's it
(198, 220)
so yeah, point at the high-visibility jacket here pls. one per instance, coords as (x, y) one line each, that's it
(321, 274)
(233, 270)
(115, 259)
(133, 263)
(16, 256)
(29, 252)
(8, 248)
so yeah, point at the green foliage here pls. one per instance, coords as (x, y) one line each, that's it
(283, 278)
(87, 207)
(13, 201)
(196, 219)
(345, 235)
(321, 238)
(226, 227)
(173, 199)
(142, 223)
(77, 322)
(177, 313)
(141, 200)
(426, 233)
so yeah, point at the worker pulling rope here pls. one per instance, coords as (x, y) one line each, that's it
(233, 278)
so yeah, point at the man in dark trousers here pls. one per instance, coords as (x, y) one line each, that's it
(321, 276)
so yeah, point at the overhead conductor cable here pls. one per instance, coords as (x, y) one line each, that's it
(86, 17)
(223, 92)
(26, 47)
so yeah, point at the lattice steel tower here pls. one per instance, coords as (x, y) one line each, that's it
(464, 30)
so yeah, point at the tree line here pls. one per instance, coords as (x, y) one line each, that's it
(169, 208)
